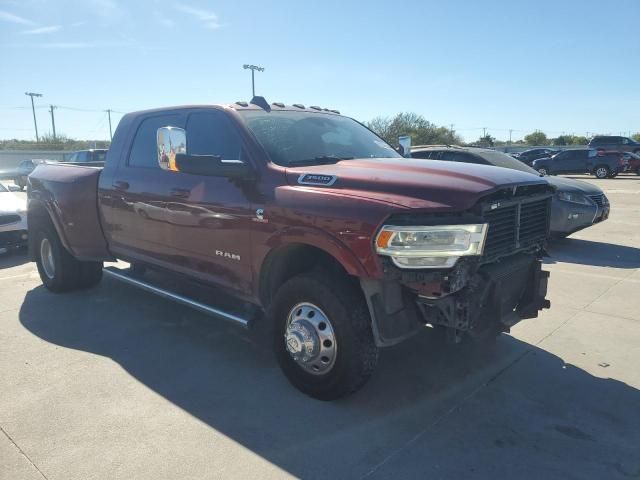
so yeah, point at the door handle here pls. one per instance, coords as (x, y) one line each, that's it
(121, 185)
(180, 192)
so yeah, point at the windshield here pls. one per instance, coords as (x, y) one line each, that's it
(499, 159)
(292, 138)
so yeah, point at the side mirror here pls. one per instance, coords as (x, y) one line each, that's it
(212, 166)
(171, 141)
(14, 188)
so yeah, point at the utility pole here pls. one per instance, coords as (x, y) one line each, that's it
(53, 121)
(33, 109)
(510, 132)
(253, 69)
(108, 110)
(484, 132)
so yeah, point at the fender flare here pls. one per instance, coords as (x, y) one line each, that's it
(39, 205)
(306, 236)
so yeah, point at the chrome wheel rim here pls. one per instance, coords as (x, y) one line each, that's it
(601, 172)
(46, 258)
(542, 171)
(310, 339)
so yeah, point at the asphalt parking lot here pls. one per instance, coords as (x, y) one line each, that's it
(114, 383)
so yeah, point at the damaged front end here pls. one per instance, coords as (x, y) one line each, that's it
(479, 294)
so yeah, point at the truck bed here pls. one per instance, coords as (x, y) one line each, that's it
(69, 193)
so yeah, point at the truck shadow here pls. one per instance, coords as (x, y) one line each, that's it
(541, 414)
(14, 258)
(589, 252)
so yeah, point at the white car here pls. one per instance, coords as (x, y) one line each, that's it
(13, 220)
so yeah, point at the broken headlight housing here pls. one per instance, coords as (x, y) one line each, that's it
(437, 246)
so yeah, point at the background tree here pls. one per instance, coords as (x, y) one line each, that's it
(636, 137)
(421, 131)
(47, 142)
(536, 138)
(569, 140)
(579, 140)
(486, 141)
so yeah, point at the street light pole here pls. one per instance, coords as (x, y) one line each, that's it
(33, 109)
(53, 121)
(253, 69)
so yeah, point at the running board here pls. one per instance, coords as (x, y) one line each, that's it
(118, 274)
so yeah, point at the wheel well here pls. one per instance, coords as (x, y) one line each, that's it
(291, 260)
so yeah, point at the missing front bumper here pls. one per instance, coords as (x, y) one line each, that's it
(498, 296)
(493, 296)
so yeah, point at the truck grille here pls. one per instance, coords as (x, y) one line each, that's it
(598, 199)
(515, 226)
(8, 219)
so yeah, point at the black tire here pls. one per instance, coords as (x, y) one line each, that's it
(345, 308)
(68, 273)
(601, 171)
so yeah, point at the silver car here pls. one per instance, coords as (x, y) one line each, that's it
(13, 220)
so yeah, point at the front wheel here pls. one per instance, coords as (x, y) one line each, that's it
(602, 172)
(322, 335)
(58, 269)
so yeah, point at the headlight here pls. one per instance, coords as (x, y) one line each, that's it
(574, 197)
(437, 246)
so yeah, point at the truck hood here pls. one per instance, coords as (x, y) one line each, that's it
(411, 183)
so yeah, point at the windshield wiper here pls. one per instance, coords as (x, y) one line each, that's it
(320, 160)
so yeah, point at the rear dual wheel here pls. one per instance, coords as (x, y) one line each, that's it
(58, 269)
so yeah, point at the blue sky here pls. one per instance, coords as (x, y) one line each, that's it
(558, 66)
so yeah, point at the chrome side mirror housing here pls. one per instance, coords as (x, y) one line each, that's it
(171, 141)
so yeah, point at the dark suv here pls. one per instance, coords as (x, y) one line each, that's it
(600, 163)
(620, 144)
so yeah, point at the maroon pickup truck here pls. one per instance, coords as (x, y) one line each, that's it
(302, 218)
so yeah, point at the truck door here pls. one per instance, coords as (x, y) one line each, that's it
(210, 218)
(138, 226)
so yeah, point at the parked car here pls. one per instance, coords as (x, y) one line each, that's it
(528, 156)
(23, 170)
(576, 205)
(633, 162)
(323, 230)
(13, 220)
(583, 160)
(88, 156)
(614, 143)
